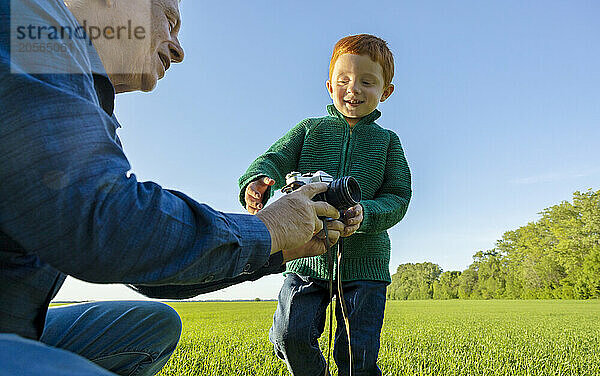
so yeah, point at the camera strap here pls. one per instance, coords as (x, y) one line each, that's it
(340, 298)
(330, 269)
(343, 302)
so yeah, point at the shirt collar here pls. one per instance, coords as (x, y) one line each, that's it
(102, 84)
(105, 92)
(370, 118)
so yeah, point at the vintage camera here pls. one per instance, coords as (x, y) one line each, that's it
(342, 193)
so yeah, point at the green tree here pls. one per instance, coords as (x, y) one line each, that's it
(554, 257)
(491, 280)
(414, 281)
(467, 284)
(447, 286)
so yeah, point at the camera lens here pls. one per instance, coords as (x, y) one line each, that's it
(343, 193)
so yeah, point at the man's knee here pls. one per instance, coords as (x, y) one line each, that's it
(160, 322)
(167, 320)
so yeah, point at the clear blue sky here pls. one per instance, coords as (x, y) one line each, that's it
(497, 106)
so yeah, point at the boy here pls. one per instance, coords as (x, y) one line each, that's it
(345, 143)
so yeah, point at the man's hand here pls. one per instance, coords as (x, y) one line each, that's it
(353, 217)
(255, 192)
(316, 245)
(294, 219)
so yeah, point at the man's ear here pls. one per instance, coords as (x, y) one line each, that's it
(329, 88)
(387, 92)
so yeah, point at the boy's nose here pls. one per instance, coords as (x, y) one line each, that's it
(353, 88)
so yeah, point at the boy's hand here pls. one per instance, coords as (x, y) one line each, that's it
(353, 217)
(255, 193)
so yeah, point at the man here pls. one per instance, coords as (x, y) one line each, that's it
(69, 206)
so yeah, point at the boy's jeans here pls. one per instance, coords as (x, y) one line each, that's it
(102, 338)
(300, 320)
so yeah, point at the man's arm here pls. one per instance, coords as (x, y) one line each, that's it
(391, 201)
(67, 197)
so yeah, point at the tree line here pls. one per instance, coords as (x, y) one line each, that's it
(556, 257)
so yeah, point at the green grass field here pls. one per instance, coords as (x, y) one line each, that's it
(494, 337)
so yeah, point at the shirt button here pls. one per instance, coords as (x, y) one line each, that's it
(266, 264)
(209, 278)
(247, 267)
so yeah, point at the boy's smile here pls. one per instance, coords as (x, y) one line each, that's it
(356, 86)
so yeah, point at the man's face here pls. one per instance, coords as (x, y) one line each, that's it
(138, 64)
(356, 86)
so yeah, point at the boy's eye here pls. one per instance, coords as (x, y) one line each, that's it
(367, 83)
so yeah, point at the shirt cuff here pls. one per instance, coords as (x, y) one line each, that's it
(255, 241)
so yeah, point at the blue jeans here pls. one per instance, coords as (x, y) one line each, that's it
(102, 338)
(300, 320)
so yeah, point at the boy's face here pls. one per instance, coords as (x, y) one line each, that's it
(356, 86)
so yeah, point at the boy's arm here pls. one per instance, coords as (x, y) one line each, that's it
(391, 201)
(279, 160)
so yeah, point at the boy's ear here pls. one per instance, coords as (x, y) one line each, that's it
(329, 88)
(387, 92)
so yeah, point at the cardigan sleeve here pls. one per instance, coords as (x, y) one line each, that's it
(281, 159)
(390, 203)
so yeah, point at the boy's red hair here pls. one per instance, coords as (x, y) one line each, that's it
(369, 45)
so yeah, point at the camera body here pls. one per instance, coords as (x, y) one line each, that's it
(342, 193)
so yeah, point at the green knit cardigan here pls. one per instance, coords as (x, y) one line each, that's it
(369, 153)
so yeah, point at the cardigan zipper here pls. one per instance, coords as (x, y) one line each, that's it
(342, 168)
(347, 145)
(346, 153)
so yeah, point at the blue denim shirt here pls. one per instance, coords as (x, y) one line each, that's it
(69, 207)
